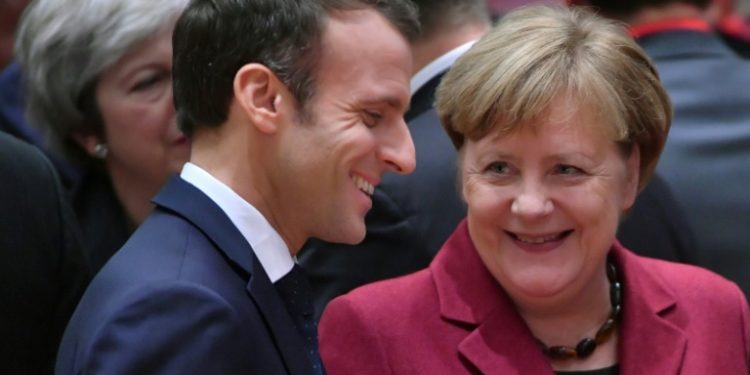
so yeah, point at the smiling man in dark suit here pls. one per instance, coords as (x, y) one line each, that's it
(411, 216)
(295, 111)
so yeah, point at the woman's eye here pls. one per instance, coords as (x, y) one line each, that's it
(498, 167)
(567, 170)
(148, 82)
(371, 118)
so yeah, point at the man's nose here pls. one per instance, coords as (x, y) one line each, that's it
(397, 149)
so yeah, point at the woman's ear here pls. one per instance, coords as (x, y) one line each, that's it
(259, 93)
(92, 144)
(632, 171)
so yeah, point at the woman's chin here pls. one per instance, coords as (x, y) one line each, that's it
(536, 287)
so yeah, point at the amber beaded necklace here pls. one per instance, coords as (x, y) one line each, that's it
(586, 346)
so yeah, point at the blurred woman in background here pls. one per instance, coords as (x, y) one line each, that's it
(97, 76)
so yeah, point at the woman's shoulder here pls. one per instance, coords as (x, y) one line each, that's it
(392, 295)
(689, 283)
(393, 305)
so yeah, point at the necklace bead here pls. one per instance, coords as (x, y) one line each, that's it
(587, 346)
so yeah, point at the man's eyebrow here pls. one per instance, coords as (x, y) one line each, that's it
(390, 100)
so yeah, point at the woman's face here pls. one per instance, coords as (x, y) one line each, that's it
(134, 98)
(544, 202)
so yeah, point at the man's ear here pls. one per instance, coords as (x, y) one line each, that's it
(259, 93)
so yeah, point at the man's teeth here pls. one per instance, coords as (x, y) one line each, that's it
(363, 185)
(536, 240)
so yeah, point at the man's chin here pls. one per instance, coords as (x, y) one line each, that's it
(349, 236)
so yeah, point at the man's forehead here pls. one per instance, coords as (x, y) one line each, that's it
(396, 98)
(346, 25)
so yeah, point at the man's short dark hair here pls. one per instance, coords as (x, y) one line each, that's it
(626, 8)
(435, 15)
(213, 39)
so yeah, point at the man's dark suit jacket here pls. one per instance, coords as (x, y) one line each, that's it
(43, 272)
(411, 216)
(706, 159)
(656, 226)
(185, 295)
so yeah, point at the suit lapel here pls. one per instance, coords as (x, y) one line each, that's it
(649, 342)
(193, 205)
(500, 343)
(187, 201)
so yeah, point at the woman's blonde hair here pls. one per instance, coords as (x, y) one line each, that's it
(536, 54)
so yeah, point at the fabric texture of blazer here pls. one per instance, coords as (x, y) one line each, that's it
(706, 159)
(411, 216)
(43, 272)
(185, 295)
(454, 318)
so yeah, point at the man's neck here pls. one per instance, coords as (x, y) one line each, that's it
(224, 153)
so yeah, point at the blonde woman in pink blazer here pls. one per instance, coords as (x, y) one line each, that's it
(559, 119)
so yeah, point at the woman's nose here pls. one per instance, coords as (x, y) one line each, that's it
(531, 203)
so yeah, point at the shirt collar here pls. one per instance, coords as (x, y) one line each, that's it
(438, 66)
(267, 244)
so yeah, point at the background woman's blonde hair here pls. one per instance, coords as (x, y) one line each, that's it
(537, 54)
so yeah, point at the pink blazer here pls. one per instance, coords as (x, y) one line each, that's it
(453, 318)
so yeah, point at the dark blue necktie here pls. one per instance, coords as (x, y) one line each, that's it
(296, 293)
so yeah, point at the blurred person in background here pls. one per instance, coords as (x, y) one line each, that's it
(43, 270)
(97, 80)
(732, 25)
(559, 119)
(10, 11)
(500, 7)
(706, 156)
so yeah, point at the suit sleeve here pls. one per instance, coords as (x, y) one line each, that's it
(349, 343)
(175, 329)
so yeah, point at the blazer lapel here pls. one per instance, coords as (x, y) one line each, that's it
(649, 342)
(500, 343)
(189, 202)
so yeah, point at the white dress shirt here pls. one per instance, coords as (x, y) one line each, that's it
(267, 244)
(438, 66)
